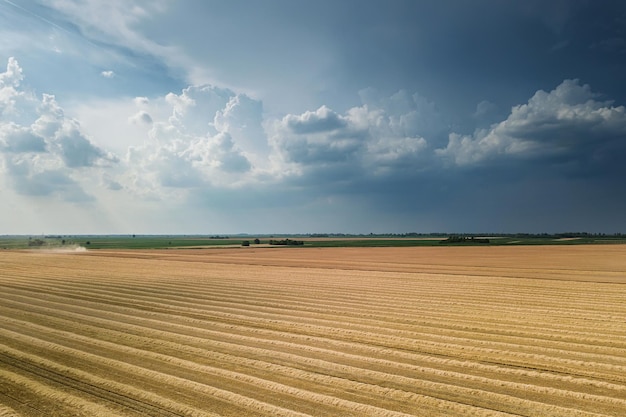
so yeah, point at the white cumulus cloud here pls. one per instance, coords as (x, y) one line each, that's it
(40, 146)
(208, 138)
(379, 137)
(141, 117)
(569, 121)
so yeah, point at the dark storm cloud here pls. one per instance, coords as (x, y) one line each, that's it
(326, 150)
(360, 116)
(569, 123)
(462, 53)
(553, 162)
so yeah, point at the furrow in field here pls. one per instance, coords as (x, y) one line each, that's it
(439, 349)
(302, 345)
(79, 387)
(518, 311)
(188, 368)
(166, 306)
(285, 309)
(483, 381)
(45, 399)
(601, 320)
(354, 260)
(338, 404)
(439, 331)
(116, 392)
(487, 300)
(15, 401)
(437, 390)
(293, 276)
(608, 363)
(6, 411)
(378, 294)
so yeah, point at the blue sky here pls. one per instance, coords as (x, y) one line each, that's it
(284, 116)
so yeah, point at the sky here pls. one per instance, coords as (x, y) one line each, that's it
(283, 116)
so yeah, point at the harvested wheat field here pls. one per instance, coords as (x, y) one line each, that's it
(430, 331)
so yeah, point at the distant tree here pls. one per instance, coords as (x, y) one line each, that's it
(87, 243)
(257, 241)
(286, 242)
(245, 243)
(463, 239)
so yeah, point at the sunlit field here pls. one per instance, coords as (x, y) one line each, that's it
(423, 331)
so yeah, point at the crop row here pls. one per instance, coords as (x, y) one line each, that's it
(145, 336)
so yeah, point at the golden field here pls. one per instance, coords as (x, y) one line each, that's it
(425, 331)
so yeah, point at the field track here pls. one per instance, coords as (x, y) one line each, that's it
(422, 331)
